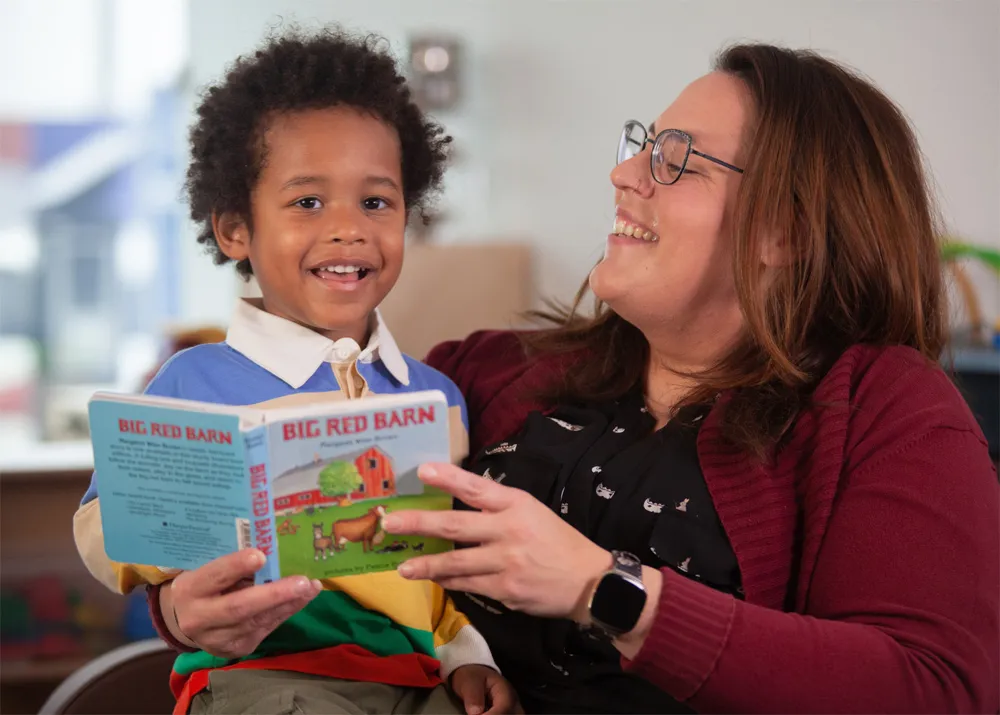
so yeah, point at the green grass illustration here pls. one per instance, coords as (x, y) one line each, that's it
(298, 555)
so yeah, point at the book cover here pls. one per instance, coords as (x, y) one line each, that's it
(181, 483)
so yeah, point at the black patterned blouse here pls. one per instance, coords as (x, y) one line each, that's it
(627, 487)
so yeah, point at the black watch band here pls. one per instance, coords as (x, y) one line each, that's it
(619, 597)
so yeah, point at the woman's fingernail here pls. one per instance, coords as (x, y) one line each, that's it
(390, 522)
(426, 471)
(405, 569)
(316, 584)
(473, 710)
(257, 559)
(304, 586)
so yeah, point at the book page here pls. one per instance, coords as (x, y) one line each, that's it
(335, 473)
(172, 484)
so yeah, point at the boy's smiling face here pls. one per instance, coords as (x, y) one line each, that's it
(328, 219)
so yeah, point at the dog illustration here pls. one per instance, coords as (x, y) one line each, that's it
(287, 527)
(394, 546)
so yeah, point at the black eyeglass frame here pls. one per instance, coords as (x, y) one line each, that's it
(658, 140)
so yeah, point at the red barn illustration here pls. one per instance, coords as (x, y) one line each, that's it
(298, 488)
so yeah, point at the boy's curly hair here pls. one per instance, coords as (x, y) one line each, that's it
(292, 72)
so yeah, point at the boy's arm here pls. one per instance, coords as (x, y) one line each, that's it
(89, 534)
(456, 641)
(89, 537)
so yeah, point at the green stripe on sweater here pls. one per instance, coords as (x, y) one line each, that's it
(332, 618)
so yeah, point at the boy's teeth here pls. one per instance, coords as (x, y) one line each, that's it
(341, 269)
(626, 229)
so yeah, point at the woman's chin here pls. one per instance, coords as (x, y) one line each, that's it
(609, 283)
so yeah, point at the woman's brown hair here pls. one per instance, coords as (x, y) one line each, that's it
(832, 168)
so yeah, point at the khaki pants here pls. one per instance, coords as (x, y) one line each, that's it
(274, 692)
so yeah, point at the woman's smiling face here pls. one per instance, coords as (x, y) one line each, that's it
(678, 272)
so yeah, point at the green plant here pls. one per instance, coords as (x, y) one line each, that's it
(953, 253)
(955, 250)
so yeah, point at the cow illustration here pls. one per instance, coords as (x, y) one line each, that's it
(365, 529)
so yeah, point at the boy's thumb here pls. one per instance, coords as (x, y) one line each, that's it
(473, 695)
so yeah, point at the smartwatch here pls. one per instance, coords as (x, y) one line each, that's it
(619, 597)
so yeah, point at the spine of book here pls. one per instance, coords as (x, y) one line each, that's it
(259, 531)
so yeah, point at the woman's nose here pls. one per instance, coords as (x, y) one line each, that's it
(634, 175)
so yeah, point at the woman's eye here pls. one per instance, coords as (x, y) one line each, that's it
(309, 203)
(374, 203)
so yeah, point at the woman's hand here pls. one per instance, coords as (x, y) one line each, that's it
(218, 609)
(526, 556)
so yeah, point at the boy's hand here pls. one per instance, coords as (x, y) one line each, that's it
(218, 609)
(480, 687)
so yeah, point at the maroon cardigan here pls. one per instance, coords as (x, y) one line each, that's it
(870, 550)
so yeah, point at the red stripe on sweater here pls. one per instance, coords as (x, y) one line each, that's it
(344, 662)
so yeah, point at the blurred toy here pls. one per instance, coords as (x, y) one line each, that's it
(38, 622)
(952, 252)
(138, 624)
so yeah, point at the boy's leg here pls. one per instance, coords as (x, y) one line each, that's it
(428, 701)
(272, 692)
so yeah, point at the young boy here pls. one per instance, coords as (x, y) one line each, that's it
(306, 162)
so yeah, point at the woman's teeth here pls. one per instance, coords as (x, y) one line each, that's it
(623, 228)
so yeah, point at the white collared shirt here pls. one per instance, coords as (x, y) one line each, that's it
(293, 352)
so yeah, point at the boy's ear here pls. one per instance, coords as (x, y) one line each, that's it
(232, 235)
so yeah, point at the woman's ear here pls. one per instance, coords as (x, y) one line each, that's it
(232, 235)
(776, 251)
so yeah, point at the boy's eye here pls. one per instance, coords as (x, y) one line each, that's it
(374, 203)
(310, 203)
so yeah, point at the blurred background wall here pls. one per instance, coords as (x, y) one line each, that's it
(100, 275)
(97, 259)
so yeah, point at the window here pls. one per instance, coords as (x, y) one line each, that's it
(361, 489)
(385, 483)
(372, 463)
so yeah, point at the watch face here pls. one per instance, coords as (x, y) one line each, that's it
(618, 602)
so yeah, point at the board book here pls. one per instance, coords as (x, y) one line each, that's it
(183, 482)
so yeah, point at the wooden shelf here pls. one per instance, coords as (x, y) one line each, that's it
(40, 671)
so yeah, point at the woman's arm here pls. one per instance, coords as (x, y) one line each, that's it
(901, 614)
(902, 609)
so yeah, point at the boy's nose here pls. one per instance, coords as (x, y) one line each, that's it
(345, 227)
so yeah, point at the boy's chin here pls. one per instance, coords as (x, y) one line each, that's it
(348, 321)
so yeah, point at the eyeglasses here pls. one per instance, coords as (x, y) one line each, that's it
(671, 151)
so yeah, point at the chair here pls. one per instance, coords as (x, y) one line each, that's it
(133, 678)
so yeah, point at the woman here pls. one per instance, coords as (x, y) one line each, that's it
(755, 413)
